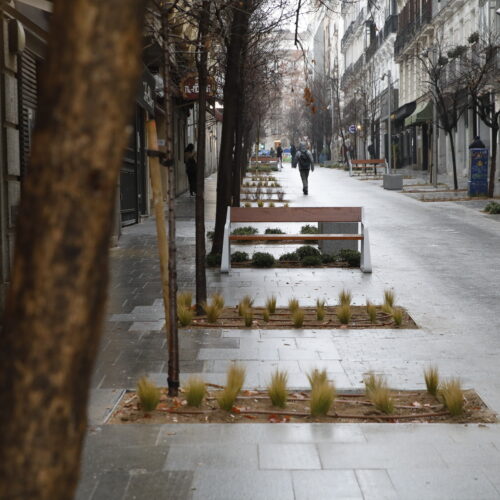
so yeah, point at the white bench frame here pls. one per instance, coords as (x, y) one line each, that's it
(363, 236)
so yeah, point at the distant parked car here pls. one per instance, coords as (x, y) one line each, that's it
(286, 151)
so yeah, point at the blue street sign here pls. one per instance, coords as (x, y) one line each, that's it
(352, 129)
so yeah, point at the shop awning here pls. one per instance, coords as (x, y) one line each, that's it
(404, 111)
(422, 113)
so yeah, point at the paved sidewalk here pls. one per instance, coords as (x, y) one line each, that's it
(443, 262)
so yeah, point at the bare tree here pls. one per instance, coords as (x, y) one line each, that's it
(56, 302)
(480, 72)
(445, 85)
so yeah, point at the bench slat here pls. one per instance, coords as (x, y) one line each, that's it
(296, 214)
(367, 162)
(295, 237)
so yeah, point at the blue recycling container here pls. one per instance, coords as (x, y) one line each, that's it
(478, 175)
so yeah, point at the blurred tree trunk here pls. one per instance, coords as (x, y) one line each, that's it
(56, 303)
(202, 62)
(239, 26)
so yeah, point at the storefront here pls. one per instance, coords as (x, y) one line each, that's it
(133, 174)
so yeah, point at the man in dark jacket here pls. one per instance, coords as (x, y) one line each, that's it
(191, 168)
(293, 152)
(305, 162)
(279, 155)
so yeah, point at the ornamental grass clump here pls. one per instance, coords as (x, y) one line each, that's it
(235, 377)
(293, 304)
(277, 388)
(247, 204)
(212, 311)
(344, 314)
(185, 299)
(431, 376)
(397, 316)
(195, 390)
(345, 298)
(320, 309)
(322, 398)
(260, 203)
(373, 382)
(266, 315)
(271, 304)
(371, 310)
(184, 315)
(148, 394)
(245, 303)
(389, 298)
(453, 396)
(316, 377)
(378, 393)
(248, 316)
(382, 400)
(218, 300)
(298, 317)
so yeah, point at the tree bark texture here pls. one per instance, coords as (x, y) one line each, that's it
(239, 26)
(56, 303)
(171, 319)
(201, 278)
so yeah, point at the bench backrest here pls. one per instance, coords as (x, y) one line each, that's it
(296, 214)
(367, 162)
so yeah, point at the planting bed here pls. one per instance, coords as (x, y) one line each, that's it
(255, 406)
(281, 319)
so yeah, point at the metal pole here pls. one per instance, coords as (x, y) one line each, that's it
(389, 131)
(434, 133)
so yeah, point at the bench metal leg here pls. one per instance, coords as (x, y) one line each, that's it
(225, 265)
(366, 260)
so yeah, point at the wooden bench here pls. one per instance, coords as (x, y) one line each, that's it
(364, 165)
(295, 214)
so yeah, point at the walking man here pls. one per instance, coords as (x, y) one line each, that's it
(305, 162)
(293, 152)
(279, 154)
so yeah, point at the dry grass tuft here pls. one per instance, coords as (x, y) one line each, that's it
(148, 394)
(218, 300)
(431, 375)
(271, 304)
(316, 377)
(345, 298)
(245, 303)
(397, 316)
(195, 390)
(266, 314)
(185, 299)
(389, 298)
(453, 396)
(344, 314)
(277, 388)
(212, 312)
(248, 316)
(386, 308)
(293, 304)
(382, 400)
(373, 382)
(322, 398)
(184, 315)
(320, 309)
(298, 318)
(371, 309)
(235, 377)
(226, 398)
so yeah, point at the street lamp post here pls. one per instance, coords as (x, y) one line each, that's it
(389, 131)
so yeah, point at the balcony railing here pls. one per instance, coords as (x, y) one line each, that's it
(408, 29)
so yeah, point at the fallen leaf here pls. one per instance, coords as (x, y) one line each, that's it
(250, 393)
(250, 417)
(235, 409)
(278, 419)
(162, 406)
